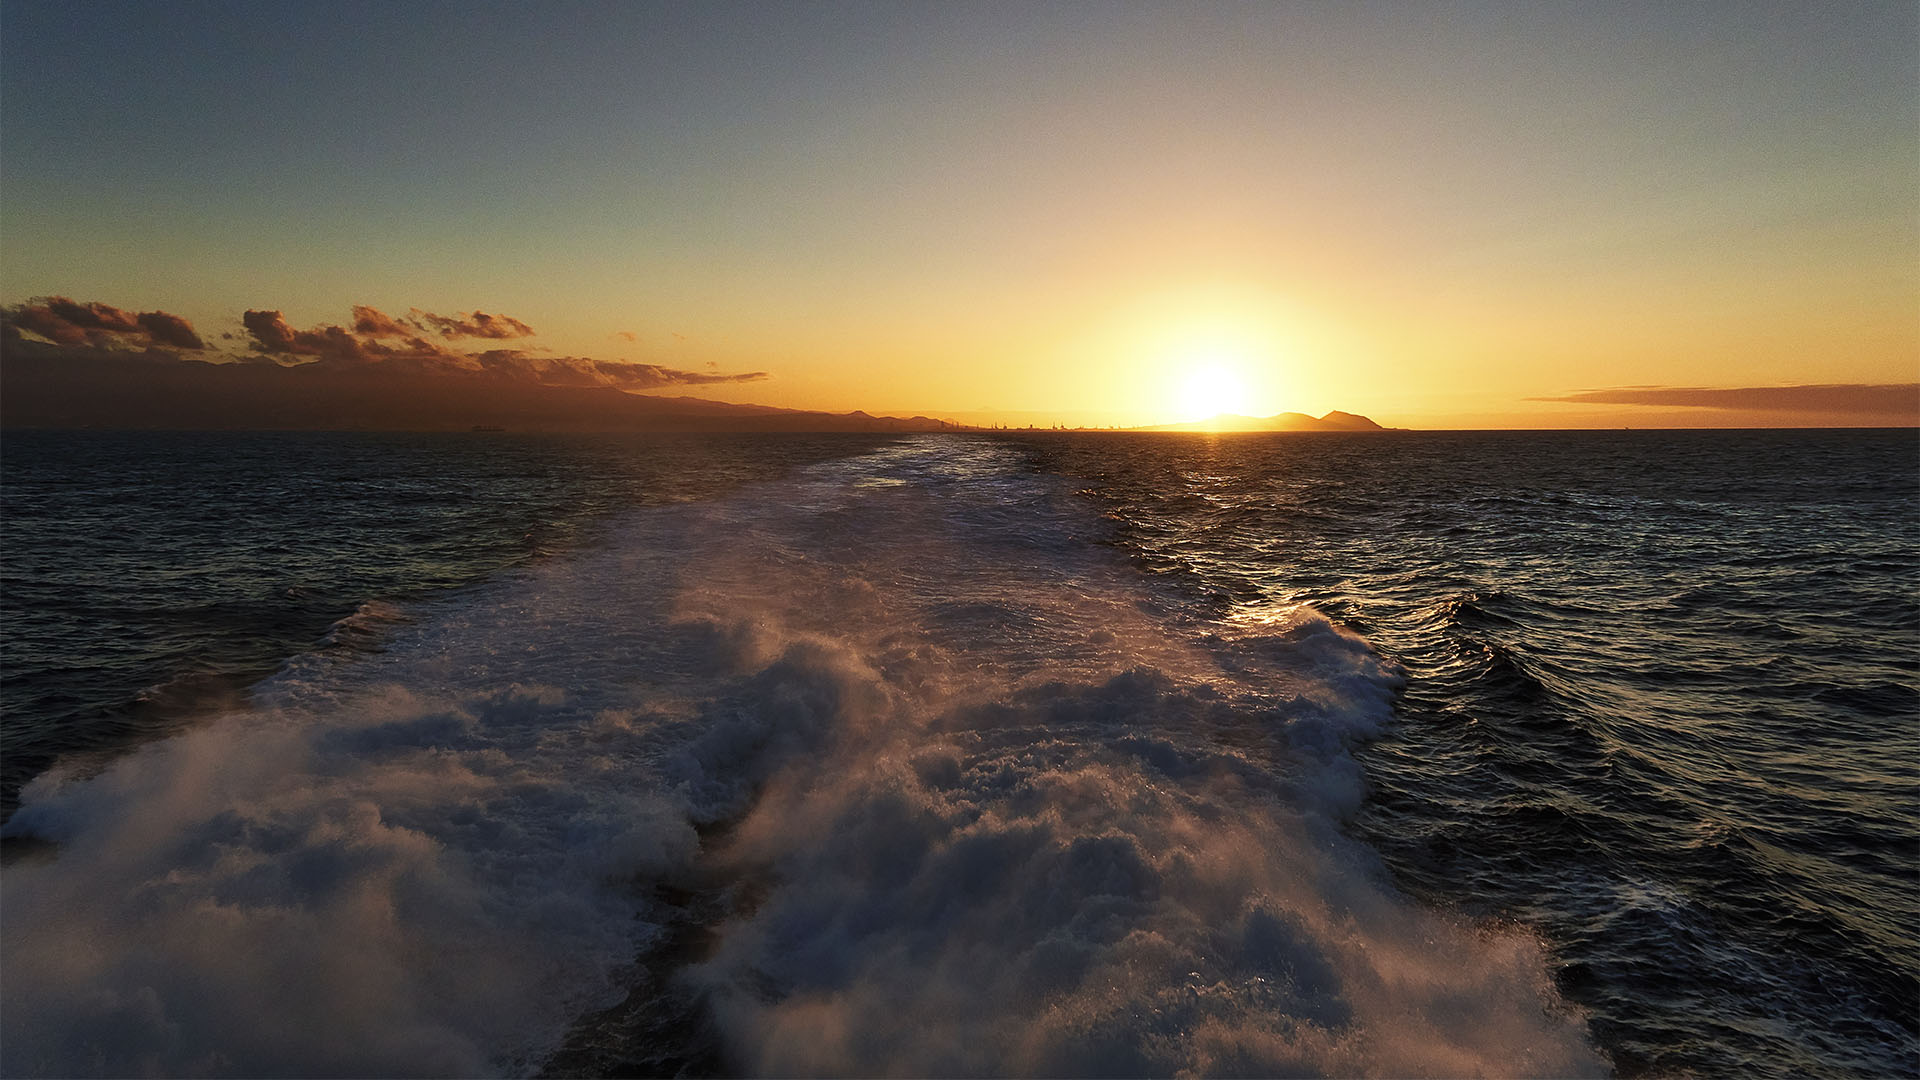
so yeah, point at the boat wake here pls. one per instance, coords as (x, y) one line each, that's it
(889, 767)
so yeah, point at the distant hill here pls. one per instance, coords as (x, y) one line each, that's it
(45, 387)
(137, 392)
(1286, 421)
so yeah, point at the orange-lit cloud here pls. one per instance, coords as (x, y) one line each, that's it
(584, 371)
(272, 335)
(68, 322)
(375, 344)
(363, 346)
(68, 364)
(370, 322)
(1864, 399)
(170, 330)
(477, 325)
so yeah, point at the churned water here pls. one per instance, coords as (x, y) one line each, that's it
(1662, 702)
(149, 577)
(1121, 755)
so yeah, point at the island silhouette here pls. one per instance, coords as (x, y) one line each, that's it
(1286, 421)
(46, 387)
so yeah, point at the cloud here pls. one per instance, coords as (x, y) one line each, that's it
(362, 348)
(648, 376)
(172, 330)
(626, 335)
(270, 331)
(585, 371)
(48, 325)
(1865, 399)
(373, 344)
(93, 316)
(477, 325)
(372, 323)
(101, 326)
(272, 335)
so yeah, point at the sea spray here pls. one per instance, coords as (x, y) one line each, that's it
(1011, 808)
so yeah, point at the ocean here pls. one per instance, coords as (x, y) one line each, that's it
(1395, 753)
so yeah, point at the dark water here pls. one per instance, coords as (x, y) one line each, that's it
(1662, 702)
(151, 576)
(962, 755)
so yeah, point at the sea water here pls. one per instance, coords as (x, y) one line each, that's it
(1661, 707)
(1124, 755)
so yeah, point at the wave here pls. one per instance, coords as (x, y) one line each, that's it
(950, 789)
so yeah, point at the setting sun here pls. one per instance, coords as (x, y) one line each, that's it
(1216, 361)
(1209, 389)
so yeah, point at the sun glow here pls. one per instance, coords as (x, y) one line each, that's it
(1210, 349)
(1210, 388)
(1212, 374)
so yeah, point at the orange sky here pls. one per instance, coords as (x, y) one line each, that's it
(1090, 214)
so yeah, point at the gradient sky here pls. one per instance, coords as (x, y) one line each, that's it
(1432, 214)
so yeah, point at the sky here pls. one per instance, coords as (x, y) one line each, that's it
(1433, 214)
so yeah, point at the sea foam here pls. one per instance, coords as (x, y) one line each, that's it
(991, 802)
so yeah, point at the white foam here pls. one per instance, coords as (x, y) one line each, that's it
(1011, 817)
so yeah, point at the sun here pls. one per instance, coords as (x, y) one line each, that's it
(1210, 387)
(1212, 359)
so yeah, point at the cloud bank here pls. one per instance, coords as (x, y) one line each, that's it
(56, 328)
(102, 326)
(479, 324)
(376, 338)
(1893, 400)
(66, 364)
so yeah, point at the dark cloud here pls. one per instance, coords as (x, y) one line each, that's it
(365, 346)
(172, 330)
(338, 345)
(649, 375)
(478, 325)
(375, 324)
(93, 316)
(41, 320)
(101, 326)
(585, 371)
(375, 345)
(273, 336)
(1863, 399)
(270, 331)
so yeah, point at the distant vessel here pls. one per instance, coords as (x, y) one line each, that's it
(488, 427)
